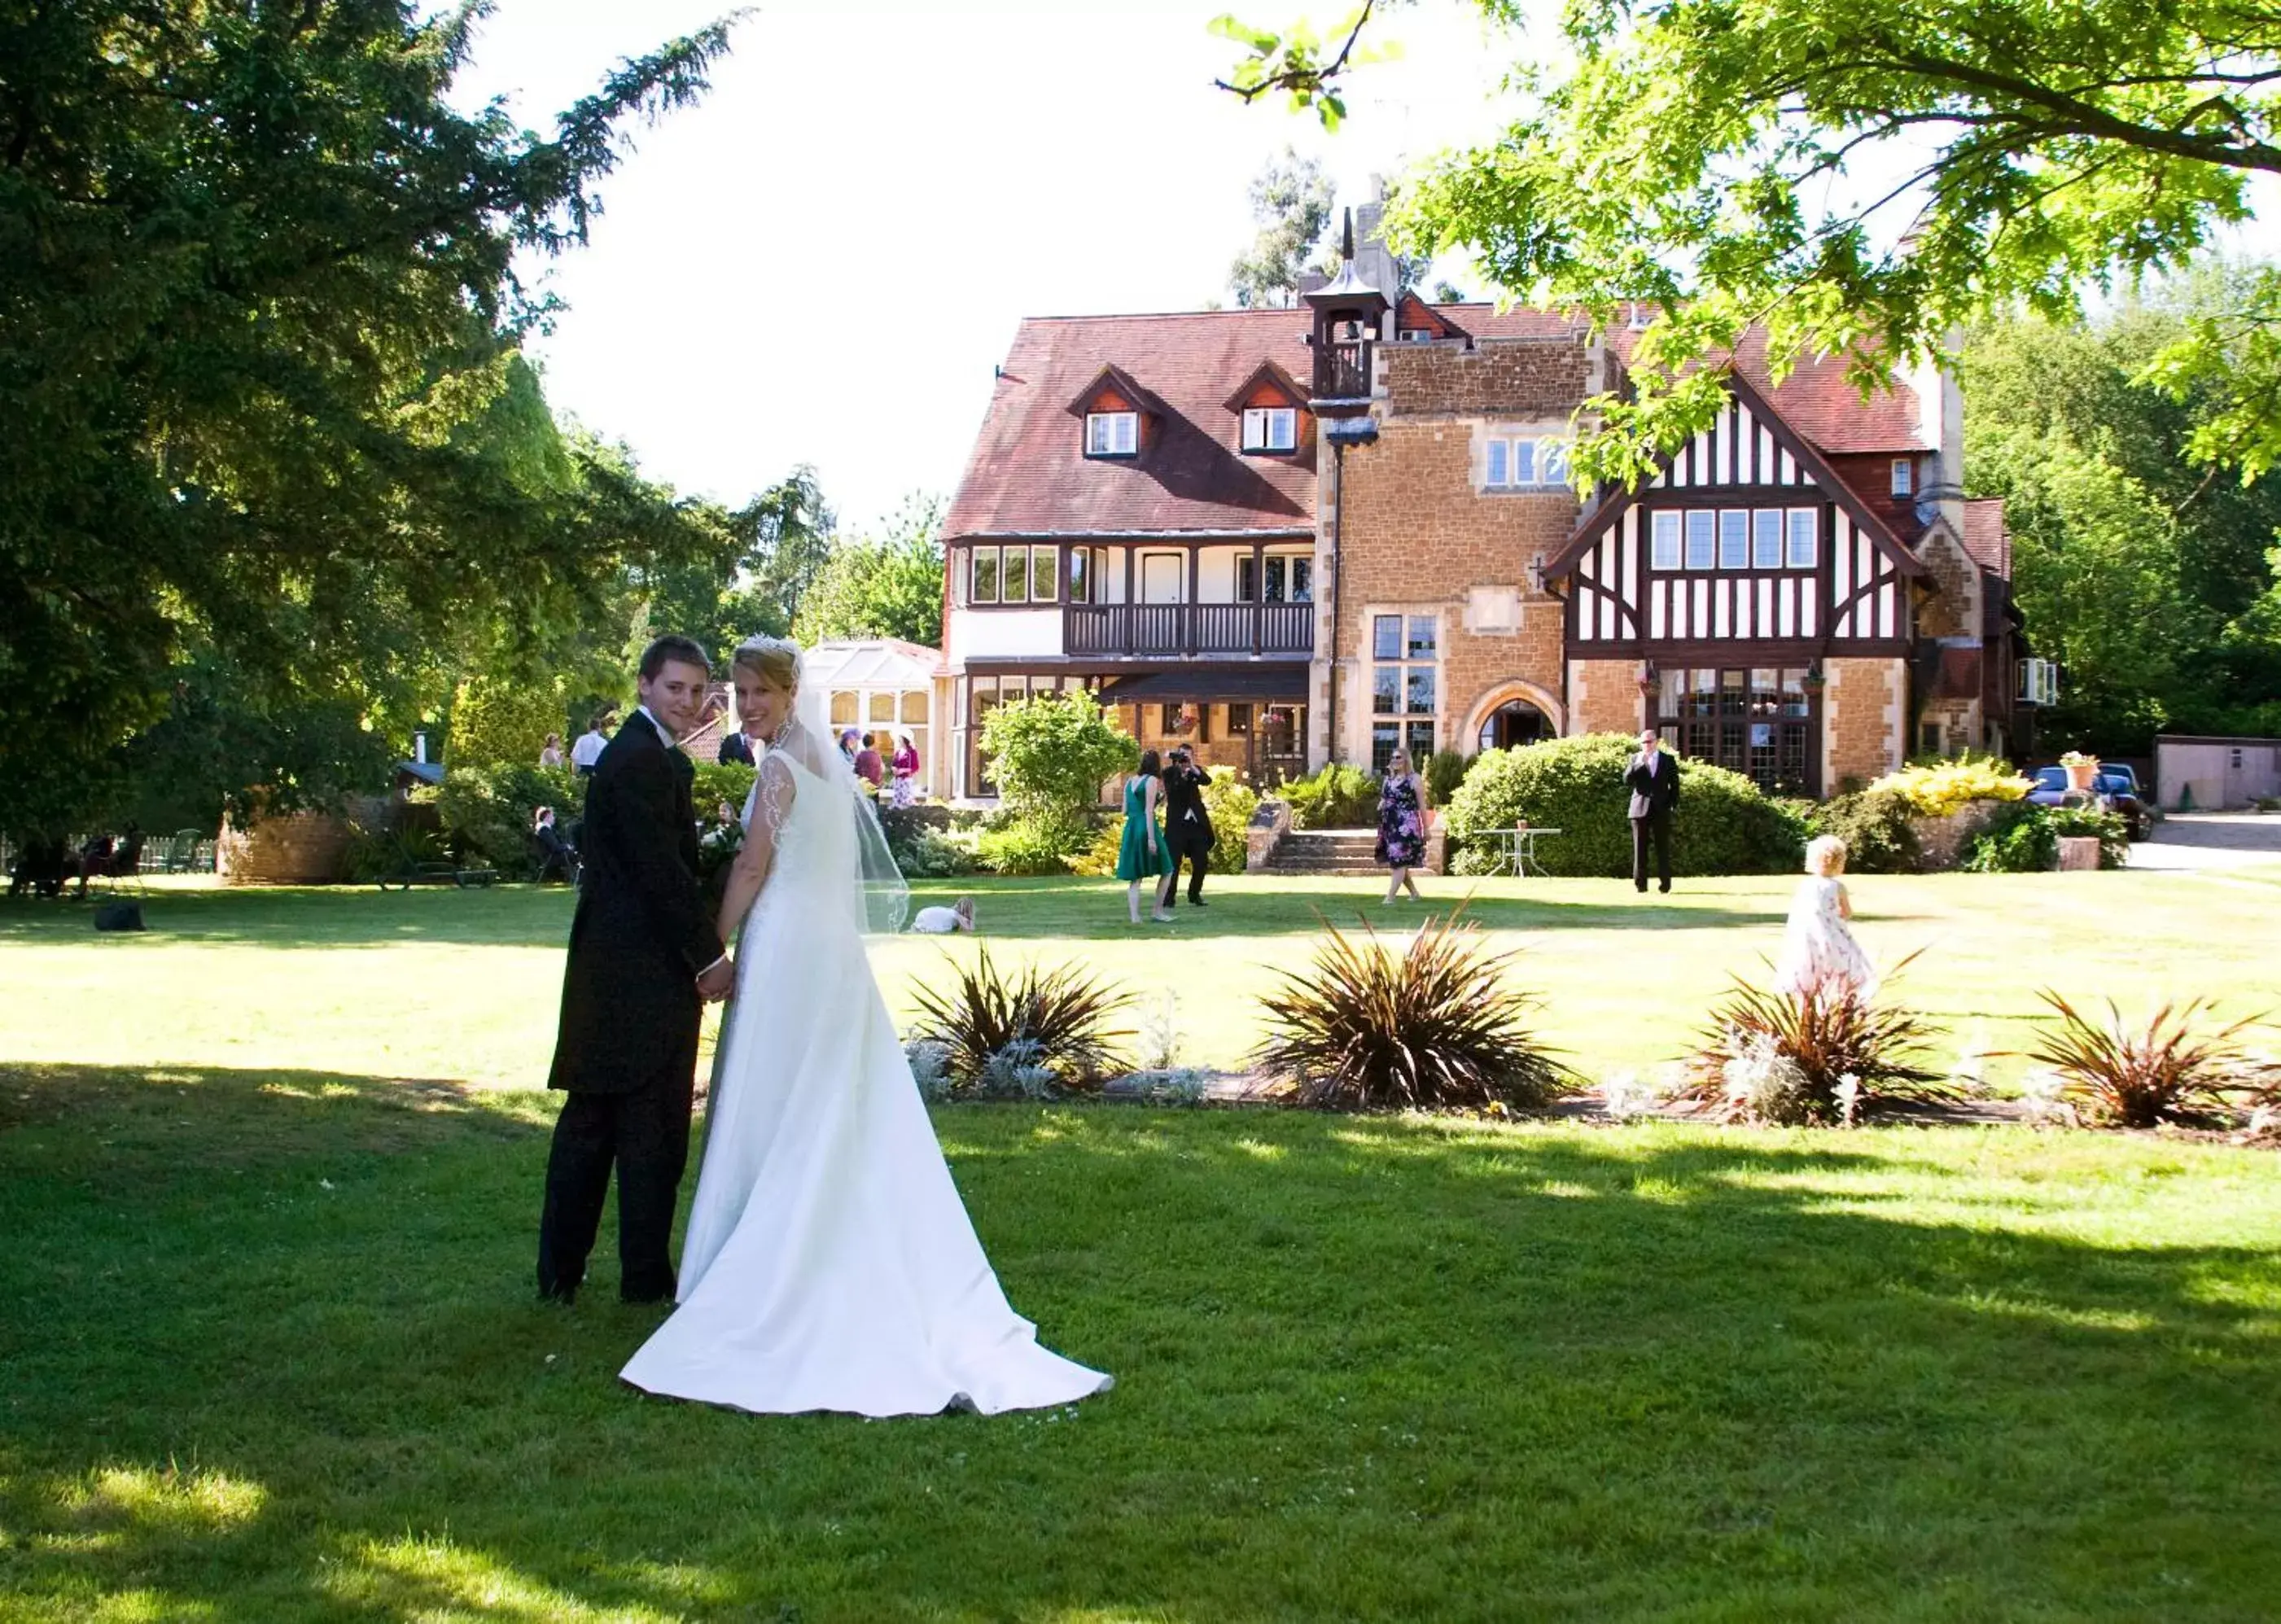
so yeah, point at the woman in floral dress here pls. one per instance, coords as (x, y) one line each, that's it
(1820, 958)
(1401, 808)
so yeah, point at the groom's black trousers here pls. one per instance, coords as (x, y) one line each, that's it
(645, 1134)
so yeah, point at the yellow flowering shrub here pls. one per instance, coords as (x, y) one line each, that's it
(1948, 787)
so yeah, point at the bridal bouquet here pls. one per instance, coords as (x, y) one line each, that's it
(717, 846)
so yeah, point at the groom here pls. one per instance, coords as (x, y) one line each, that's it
(644, 959)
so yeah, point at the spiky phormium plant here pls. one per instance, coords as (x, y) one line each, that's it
(2163, 1070)
(1779, 1057)
(1432, 1025)
(1055, 1020)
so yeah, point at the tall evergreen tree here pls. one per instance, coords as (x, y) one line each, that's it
(259, 363)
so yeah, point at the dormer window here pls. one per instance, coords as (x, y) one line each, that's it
(1904, 476)
(1271, 429)
(1112, 434)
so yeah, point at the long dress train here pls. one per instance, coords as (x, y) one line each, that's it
(829, 1262)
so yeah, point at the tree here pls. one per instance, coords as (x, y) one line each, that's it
(2156, 586)
(1049, 754)
(1860, 177)
(888, 587)
(1291, 200)
(268, 424)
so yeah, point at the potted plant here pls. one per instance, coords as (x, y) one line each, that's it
(2081, 770)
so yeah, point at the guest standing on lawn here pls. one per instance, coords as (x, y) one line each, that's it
(1820, 958)
(1652, 777)
(1188, 829)
(1140, 853)
(1403, 805)
(906, 766)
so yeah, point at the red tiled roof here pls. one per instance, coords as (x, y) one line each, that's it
(1822, 402)
(1985, 537)
(1027, 475)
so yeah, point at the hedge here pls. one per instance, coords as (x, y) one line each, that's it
(1725, 825)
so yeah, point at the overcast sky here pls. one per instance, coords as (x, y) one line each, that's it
(823, 261)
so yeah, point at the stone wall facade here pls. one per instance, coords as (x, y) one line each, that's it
(1419, 538)
(1509, 378)
(1604, 697)
(1862, 718)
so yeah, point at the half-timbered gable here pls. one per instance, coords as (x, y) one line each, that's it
(1744, 536)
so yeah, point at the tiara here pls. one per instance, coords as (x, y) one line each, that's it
(761, 643)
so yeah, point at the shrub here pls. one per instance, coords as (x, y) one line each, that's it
(1036, 844)
(1874, 825)
(1054, 1021)
(1937, 789)
(934, 853)
(1726, 824)
(1229, 802)
(1430, 1027)
(1336, 796)
(1776, 1057)
(2109, 829)
(1050, 754)
(1099, 859)
(2020, 838)
(498, 723)
(2162, 1071)
(487, 815)
(928, 842)
(720, 783)
(1444, 771)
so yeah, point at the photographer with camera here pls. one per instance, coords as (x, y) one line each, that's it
(1187, 828)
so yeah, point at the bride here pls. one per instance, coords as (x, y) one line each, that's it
(829, 1262)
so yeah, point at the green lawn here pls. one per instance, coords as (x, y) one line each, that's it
(268, 1177)
(462, 986)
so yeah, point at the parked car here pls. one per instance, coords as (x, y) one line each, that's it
(2116, 786)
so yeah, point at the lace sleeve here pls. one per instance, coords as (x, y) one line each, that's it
(772, 798)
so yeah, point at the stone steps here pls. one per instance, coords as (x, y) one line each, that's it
(1327, 851)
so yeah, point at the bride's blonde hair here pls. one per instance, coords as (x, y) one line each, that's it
(775, 661)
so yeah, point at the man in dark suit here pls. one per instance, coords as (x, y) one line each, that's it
(644, 959)
(1652, 775)
(1187, 828)
(736, 748)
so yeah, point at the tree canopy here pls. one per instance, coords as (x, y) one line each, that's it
(268, 425)
(2157, 586)
(888, 586)
(1860, 177)
(1291, 201)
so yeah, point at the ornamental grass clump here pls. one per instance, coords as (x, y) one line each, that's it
(1779, 1057)
(1430, 1025)
(2162, 1070)
(1029, 1033)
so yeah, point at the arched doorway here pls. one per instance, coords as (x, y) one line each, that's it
(1516, 721)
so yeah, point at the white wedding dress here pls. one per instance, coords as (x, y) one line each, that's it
(830, 1263)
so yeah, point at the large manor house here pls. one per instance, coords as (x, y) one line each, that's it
(1298, 536)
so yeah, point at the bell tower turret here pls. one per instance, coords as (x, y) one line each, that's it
(1349, 319)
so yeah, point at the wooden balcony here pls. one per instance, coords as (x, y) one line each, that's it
(1154, 630)
(1341, 376)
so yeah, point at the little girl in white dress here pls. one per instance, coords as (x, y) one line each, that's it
(1819, 952)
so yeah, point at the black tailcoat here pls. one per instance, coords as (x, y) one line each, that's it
(626, 1051)
(642, 934)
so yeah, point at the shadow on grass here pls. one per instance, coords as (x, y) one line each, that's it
(314, 916)
(1366, 1368)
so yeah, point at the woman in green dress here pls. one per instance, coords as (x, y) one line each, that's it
(1140, 853)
